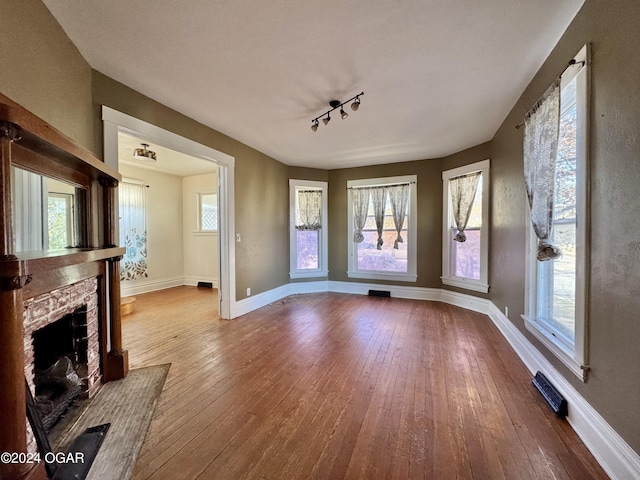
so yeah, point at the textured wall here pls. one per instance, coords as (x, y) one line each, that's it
(200, 250)
(429, 191)
(43, 71)
(613, 386)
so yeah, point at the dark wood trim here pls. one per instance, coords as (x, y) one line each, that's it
(39, 135)
(6, 239)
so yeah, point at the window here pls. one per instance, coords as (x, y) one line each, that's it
(308, 229)
(555, 303)
(465, 260)
(382, 228)
(60, 220)
(207, 212)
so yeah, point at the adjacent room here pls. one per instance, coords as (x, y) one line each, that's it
(296, 240)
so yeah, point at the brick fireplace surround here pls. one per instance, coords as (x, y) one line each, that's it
(50, 307)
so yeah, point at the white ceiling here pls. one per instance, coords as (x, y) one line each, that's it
(167, 161)
(438, 76)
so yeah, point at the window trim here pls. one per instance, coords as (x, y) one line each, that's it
(448, 277)
(323, 240)
(575, 357)
(411, 275)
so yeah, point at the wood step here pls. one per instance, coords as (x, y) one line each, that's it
(126, 305)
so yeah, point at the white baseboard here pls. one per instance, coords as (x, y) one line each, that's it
(259, 300)
(615, 456)
(192, 281)
(137, 287)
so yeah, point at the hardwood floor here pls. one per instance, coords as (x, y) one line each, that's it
(333, 386)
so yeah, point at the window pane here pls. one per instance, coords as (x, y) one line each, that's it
(388, 259)
(307, 251)
(466, 255)
(208, 212)
(59, 222)
(557, 295)
(557, 279)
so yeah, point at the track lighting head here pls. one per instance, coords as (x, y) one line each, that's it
(334, 104)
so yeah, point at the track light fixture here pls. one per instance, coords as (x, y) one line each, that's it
(334, 104)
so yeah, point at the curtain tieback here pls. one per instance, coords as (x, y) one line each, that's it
(547, 250)
(460, 236)
(398, 240)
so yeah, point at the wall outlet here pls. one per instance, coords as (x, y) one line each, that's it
(506, 311)
(248, 292)
(238, 238)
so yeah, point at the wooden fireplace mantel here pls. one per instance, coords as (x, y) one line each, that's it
(28, 142)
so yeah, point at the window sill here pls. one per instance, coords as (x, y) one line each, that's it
(309, 274)
(468, 284)
(205, 233)
(394, 277)
(558, 348)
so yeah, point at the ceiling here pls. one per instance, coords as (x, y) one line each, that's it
(168, 161)
(438, 76)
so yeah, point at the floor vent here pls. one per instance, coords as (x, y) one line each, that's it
(205, 285)
(555, 400)
(379, 293)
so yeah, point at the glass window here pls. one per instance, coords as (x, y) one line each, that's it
(555, 304)
(60, 220)
(208, 208)
(308, 229)
(391, 253)
(465, 263)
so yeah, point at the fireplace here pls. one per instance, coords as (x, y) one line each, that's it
(62, 348)
(57, 305)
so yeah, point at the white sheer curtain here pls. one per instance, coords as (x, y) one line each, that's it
(379, 200)
(29, 211)
(463, 192)
(399, 199)
(133, 231)
(309, 211)
(541, 130)
(360, 198)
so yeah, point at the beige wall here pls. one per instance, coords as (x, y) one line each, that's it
(613, 386)
(165, 264)
(43, 71)
(429, 192)
(200, 249)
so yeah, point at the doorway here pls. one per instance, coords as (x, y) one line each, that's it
(117, 123)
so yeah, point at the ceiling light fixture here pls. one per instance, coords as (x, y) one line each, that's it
(144, 154)
(334, 104)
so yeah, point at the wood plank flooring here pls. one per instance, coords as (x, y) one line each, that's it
(334, 386)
